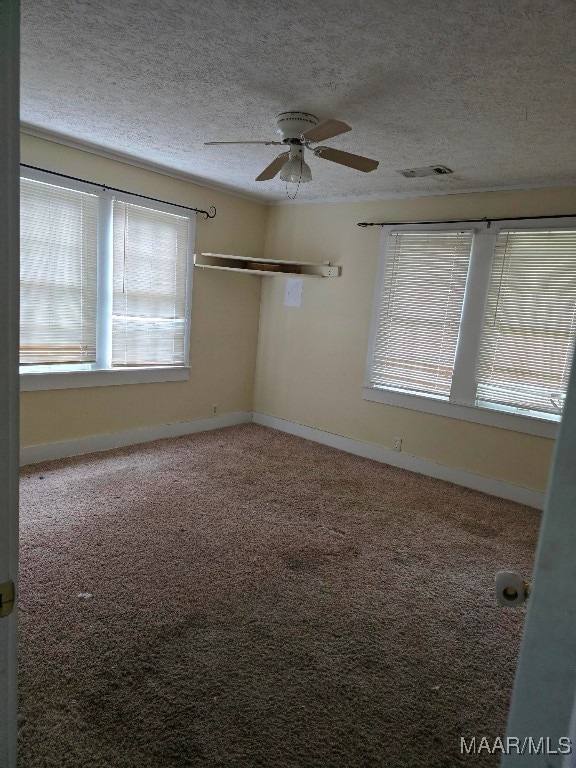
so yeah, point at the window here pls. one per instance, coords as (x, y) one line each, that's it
(105, 288)
(476, 323)
(149, 293)
(58, 245)
(529, 322)
(420, 310)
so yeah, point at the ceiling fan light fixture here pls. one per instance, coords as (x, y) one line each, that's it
(296, 170)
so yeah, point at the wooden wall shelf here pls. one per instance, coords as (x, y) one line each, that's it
(266, 267)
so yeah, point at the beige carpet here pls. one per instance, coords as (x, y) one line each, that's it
(260, 600)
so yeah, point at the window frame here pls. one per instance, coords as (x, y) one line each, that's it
(461, 403)
(101, 373)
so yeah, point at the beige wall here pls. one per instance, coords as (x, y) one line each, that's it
(311, 360)
(225, 310)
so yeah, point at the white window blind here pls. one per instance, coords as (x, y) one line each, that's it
(420, 310)
(58, 257)
(150, 253)
(529, 323)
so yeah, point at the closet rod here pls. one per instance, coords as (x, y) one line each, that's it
(464, 221)
(207, 214)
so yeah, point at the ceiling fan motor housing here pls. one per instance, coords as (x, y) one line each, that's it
(291, 125)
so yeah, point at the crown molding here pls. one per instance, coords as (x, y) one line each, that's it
(378, 196)
(146, 165)
(110, 154)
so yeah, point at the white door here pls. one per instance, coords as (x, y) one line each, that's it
(9, 385)
(545, 685)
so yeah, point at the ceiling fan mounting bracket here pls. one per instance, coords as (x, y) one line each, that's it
(291, 125)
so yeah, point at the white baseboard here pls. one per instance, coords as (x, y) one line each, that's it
(422, 466)
(34, 454)
(49, 451)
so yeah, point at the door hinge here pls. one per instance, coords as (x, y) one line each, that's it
(7, 598)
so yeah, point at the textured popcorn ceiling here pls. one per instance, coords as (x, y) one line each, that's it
(486, 88)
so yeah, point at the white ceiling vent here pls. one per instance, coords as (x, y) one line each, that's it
(429, 170)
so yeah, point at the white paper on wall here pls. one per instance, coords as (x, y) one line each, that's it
(293, 294)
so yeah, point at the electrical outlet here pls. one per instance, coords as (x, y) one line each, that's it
(397, 443)
(215, 409)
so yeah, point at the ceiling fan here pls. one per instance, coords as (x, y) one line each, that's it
(299, 131)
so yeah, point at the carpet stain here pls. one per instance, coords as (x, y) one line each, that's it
(181, 753)
(299, 564)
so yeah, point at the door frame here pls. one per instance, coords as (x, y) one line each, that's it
(545, 686)
(9, 378)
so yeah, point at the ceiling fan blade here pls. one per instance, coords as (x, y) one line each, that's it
(267, 143)
(326, 130)
(347, 158)
(275, 167)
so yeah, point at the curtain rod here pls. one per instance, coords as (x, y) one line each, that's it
(464, 221)
(207, 214)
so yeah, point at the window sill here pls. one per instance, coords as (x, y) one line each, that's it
(514, 422)
(33, 382)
